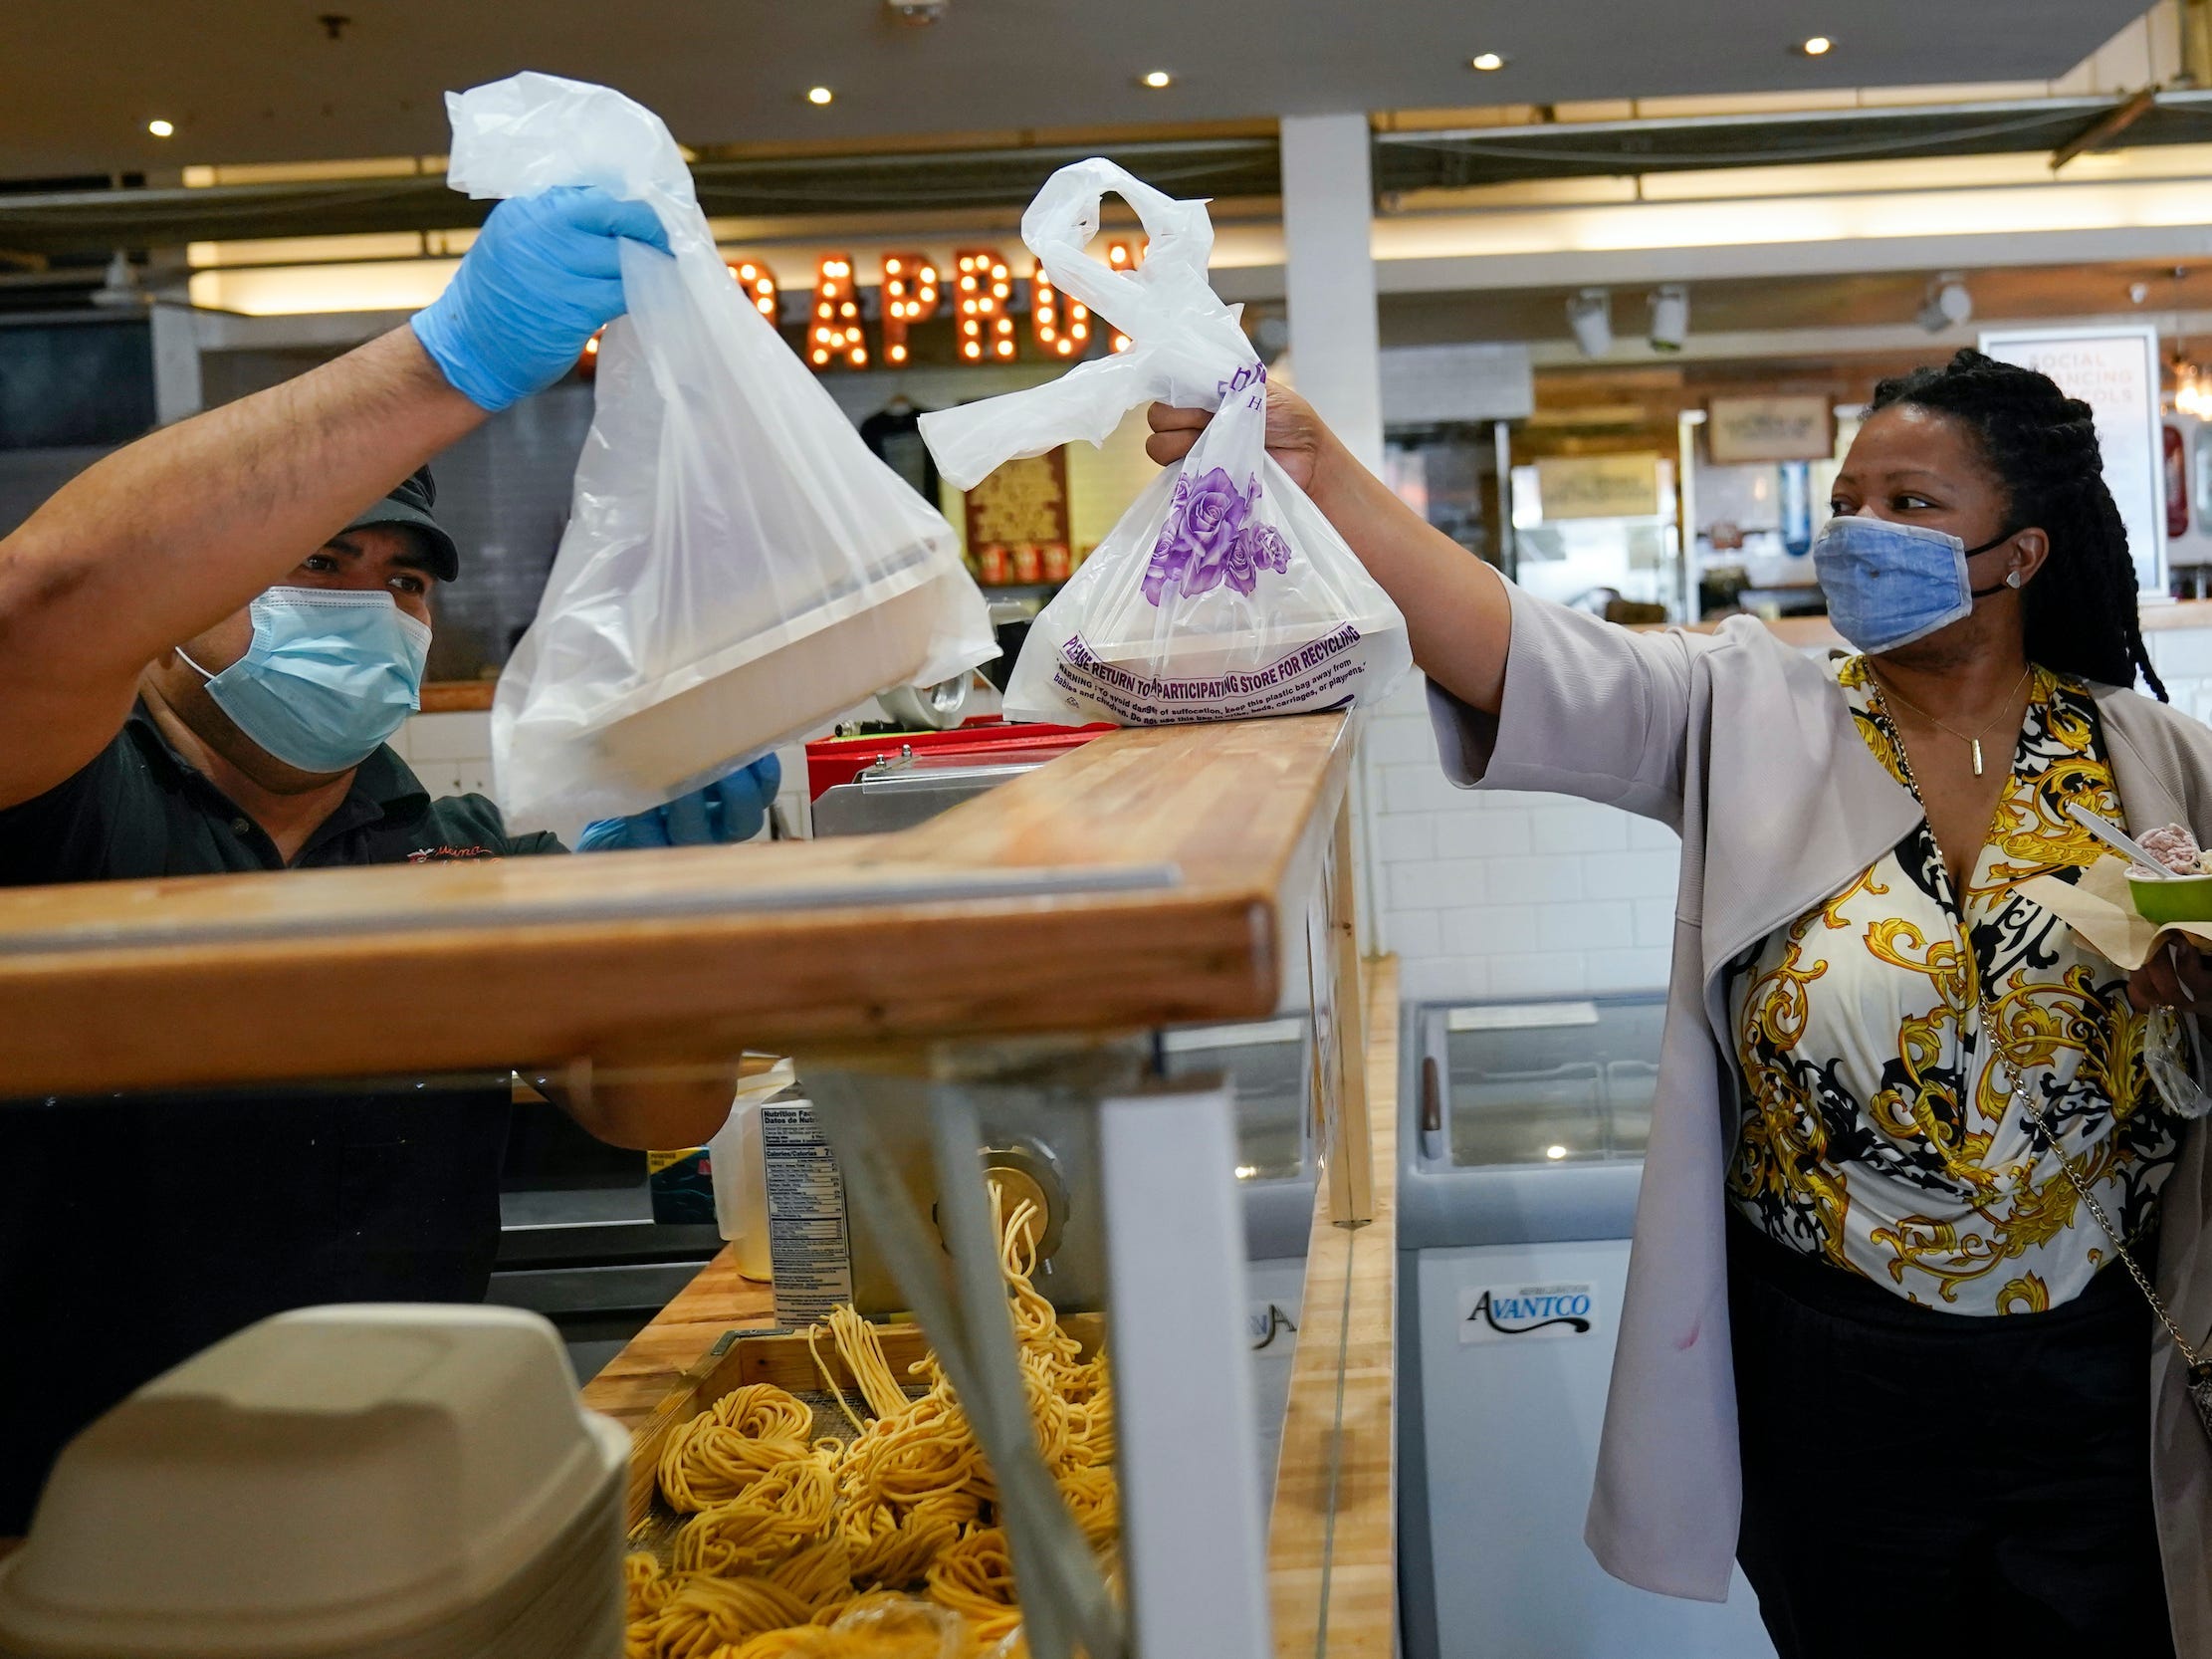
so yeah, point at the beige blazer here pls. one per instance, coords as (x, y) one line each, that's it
(1746, 747)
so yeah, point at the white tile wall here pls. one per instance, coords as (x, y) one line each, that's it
(1490, 895)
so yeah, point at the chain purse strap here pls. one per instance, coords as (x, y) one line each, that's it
(2197, 1366)
(2201, 1373)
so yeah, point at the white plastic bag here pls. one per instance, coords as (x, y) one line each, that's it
(736, 566)
(1222, 593)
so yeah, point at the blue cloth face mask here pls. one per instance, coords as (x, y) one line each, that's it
(1889, 583)
(331, 673)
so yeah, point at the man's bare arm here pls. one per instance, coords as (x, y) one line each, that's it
(166, 537)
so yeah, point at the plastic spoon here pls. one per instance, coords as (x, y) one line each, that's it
(2112, 835)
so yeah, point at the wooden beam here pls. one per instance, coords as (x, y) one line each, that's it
(1332, 1560)
(1350, 1158)
(2105, 128)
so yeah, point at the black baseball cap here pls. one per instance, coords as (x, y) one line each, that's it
(410, 506)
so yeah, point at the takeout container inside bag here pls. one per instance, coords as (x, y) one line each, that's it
(737, 567)
(1223, 593)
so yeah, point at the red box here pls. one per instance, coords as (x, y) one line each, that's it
(832, 761)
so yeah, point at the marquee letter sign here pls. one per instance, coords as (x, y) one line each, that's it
(834, 332)
(909, 297)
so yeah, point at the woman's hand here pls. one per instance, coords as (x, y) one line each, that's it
(2176, 976)
(1458, 616)
(1296, 438)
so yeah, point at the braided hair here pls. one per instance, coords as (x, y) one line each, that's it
(2042, 445)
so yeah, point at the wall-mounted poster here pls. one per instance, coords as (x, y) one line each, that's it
(1783, 429)
(1017, 523)
(1598, 486)
(2115, 370)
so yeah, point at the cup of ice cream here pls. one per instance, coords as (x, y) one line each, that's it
(2183, 896)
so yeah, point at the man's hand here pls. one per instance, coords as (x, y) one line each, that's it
(2176, 976)
(729, 810)
(544, 276)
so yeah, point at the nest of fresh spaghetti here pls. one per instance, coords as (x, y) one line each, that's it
(882, 1545)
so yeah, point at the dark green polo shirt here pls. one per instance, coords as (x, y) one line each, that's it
(138, 808)
(136, 1230)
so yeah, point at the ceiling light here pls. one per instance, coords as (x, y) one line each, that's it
(1156, 79)
(1488, 61)
(1670, 318)
(1555, 1152)
(819, 95)
(161, 129)
(1590, 314)
(1819, 46)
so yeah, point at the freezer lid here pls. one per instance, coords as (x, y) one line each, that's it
(1539, 1082)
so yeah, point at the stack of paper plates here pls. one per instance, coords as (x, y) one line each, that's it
(373, 1481)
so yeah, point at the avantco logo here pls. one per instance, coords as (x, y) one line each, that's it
(1491, 1312)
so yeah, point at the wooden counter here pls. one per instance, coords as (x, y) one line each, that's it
(1153, 877)
(720, 1298)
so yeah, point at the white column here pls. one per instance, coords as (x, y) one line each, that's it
(1328, 219)
(1187, 1443)
(176, 363)
(1328, 224)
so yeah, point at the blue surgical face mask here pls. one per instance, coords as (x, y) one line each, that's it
(330, 674)
(1889, 584)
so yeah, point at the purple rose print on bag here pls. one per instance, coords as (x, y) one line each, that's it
(1211, 537)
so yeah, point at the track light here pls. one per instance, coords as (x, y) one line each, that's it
(1590, 314)
(1669, 317)
(1949, 303)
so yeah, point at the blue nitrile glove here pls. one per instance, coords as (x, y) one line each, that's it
(730, 810)
(544, 276)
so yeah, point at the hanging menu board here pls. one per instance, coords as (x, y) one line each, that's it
(2115, 370)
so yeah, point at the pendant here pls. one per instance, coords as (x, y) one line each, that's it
(1977, 756)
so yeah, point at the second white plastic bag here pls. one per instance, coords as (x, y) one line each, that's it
(737, 567)
(1222, 593)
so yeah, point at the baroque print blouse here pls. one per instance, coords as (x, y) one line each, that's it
(1875, 1130)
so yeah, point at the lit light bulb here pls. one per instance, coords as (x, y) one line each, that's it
(1555, 1153)
(1488, 61)
(1818, 46)
(819, 95)
(161, 129)
(1158, 77)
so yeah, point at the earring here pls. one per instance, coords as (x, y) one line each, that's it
(2012, 578)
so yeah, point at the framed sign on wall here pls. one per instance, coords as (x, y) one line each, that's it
(1792, 427)
(2114, 368)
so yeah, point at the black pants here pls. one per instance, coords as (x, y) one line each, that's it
(1919, 1484)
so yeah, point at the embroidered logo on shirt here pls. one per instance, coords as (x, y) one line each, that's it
(438, 854)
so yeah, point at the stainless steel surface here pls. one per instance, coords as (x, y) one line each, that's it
(898, 794)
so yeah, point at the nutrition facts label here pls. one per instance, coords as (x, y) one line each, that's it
(807, 1244)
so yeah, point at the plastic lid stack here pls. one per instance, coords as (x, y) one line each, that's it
(388, 1482)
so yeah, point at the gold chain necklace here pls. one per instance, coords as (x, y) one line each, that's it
(1971, 737)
